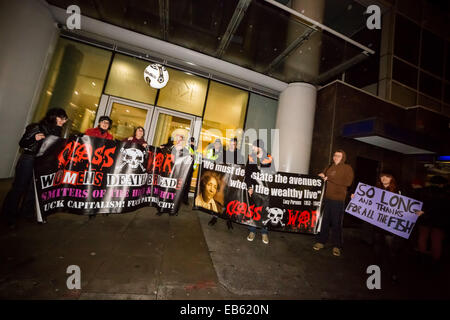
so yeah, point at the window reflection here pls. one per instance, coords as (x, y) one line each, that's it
(126, 80)
(224, 114)
(261, 115)
(184, 92)
(169, 126)
(125, 119)
(74, 82)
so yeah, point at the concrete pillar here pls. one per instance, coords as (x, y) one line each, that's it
(308, 55)
(386, 55)
(295, 121)
(27, 38)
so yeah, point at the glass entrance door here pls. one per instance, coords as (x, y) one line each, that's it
(160, 124)
(127, 116)
(167, 125)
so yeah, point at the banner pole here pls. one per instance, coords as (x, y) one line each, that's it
(38, 208)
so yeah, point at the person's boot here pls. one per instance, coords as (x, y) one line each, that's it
(229, 224)
(213, 221)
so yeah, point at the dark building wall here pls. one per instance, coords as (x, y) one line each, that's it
(338, 104)
(431, 124)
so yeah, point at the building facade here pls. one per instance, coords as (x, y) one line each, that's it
(329, 82)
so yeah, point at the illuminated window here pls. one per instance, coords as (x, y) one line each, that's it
(126, 119)
(184, 92)
(74, 82)
(224, 114)
(126, 80)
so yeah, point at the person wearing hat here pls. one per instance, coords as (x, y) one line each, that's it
(101, 131)
(258, 161)
(214, 151)
(31, 141)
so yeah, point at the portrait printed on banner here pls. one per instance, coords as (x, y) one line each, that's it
(210, 192)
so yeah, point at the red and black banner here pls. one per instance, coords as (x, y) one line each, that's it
(87, 175)
(280, 201)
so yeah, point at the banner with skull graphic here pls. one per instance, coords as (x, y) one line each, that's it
(280, 201)
(88, 175)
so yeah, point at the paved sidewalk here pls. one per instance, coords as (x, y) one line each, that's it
(141, 255)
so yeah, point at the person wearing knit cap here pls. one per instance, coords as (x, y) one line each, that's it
(101, 131)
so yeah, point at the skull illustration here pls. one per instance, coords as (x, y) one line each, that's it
(275, 216)
(132, 157)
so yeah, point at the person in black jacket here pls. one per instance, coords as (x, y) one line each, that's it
(232, 155)
(435, 223)
(258, 161)
(31, 141)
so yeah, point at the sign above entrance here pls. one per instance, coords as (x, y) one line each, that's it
(156, 76)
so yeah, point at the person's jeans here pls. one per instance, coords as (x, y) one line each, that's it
(333, 214)
(253, 229)
(22, 185)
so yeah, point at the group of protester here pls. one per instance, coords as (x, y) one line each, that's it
(31, 141)
(338, 176)
(258, 161)
(433, 225)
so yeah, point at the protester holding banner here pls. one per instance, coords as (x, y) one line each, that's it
(168, 144)
(30, 142)
(436, 221)
(338, 177)
(179, 149)
(234, 156)
(383, 240)
(258, 161)
(138, 137)
(101, 131)
(214, 151)
(182, 165)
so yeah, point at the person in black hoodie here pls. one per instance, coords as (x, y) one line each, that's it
(31, 141)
